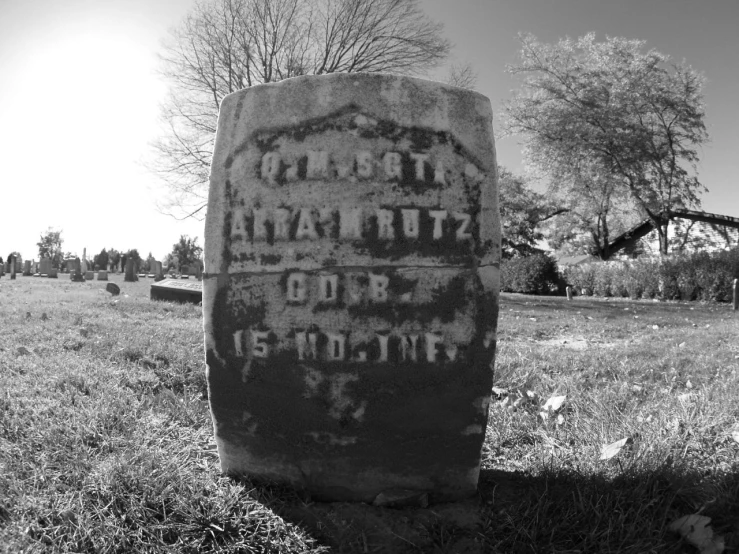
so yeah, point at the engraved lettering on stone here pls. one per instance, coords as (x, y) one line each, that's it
(420, 159)
(306, 225)
(336, 346)
(462, 232)
(327, 288)
(408, 348)
(393, 167)
(307, 344)
(432, 342)
(260, 347)
(350, 223)
(317, 164)
(438, 216)
(282, 224)
(382, 339)
(296, 287)
(261, 216)
(378, 287)
(410, 223)
(271, 166)
(385, 229)
(439, 174)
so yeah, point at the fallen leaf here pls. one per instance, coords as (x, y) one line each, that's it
(655, 327)
(610, 450)
(695, 529)
(560, 419)
(497, 391)
(683, 397)
(23, 351)
(554, 403)
(681, 345)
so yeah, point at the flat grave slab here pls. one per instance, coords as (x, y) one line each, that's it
(176, 291)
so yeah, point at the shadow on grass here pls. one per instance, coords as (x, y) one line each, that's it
(520, 513)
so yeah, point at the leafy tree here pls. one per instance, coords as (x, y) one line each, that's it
(114, 257)
(632, 118)
(522, 211)
(134, 254)
(50, 246)
(226, 45)
(186, 252)
(101, 260)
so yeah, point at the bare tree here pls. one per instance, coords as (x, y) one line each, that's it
(226, 45)
(462, 75)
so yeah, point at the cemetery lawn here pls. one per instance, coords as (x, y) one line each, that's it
(106, 441)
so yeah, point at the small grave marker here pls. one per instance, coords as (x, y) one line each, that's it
(174, 290)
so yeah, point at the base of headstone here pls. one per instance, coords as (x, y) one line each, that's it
(102, 275)
(75, 278)
(89, 276)
(184, 276)
(175, 291)
(38, 275)
(53, 274)
(12, 276)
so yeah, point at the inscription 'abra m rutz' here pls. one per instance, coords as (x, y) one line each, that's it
(350, 293)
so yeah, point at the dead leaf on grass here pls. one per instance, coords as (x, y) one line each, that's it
(610, 450)
(735, 433)
(695, 530)
(554, 403)
(22, 351)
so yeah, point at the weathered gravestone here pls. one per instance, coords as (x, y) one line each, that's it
(352, 249)
(158, 272)
(44, 266)
(130, 276)
(89, 275)
(185, 272)
(113, 289)
(76, 271)
(27, 268)
(102, 275)
(199, 272)
(53, 274)
(12, 267)
(174, 290)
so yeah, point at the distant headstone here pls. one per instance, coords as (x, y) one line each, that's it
(89, 275)
(102, 275)
(27, 268)
(113, 289)
(83, 266)
(12, 267)
(130, 276)
(199, 272)
(53, 273)
(173, 290)
(44, 266)
(185, 270)
(76, 272)
(158, 272)
(351, 285)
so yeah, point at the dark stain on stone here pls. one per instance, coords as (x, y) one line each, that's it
(270, 259)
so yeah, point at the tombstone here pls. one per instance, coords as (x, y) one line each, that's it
(174, 290)
(44, 266)
(12, 264)
(130, 276)
(89, 275)
(185, 272)
(102, 275)
(76, 272)
(27, 268)
(123, 264)
(199, 272)
(351, 285)
(158, 272)
(113, 289)
(53, 274)
(83, 265)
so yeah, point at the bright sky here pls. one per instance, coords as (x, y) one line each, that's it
(79, 98)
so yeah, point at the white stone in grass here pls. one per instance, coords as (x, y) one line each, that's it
(696, 531)
(554, 403)
(610, 450)
(735, 433)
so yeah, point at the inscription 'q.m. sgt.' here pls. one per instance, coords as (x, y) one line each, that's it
(351, 281)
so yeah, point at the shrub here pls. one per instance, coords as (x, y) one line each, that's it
(535, 274)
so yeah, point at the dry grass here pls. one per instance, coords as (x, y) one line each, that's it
(106, 441)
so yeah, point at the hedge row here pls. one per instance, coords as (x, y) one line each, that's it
(535, 274)
(699, 276)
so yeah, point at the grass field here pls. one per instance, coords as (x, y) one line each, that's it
(106, 440)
